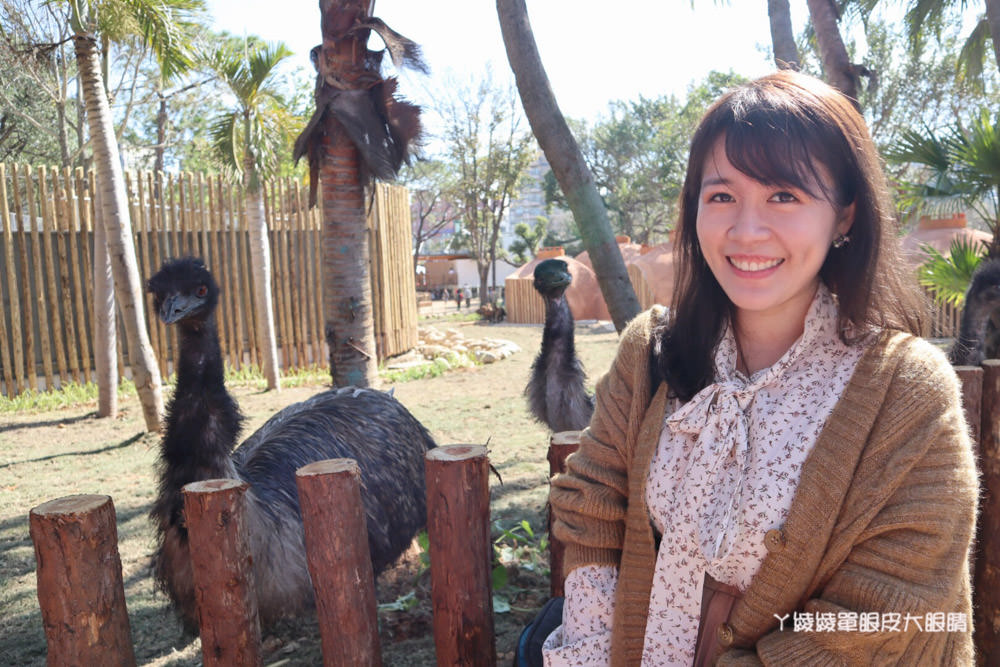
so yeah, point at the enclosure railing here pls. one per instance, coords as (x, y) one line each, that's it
(46, 285)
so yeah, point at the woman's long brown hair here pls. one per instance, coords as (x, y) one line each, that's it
(778, 130)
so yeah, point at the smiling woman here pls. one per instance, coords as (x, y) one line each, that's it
(762, 450)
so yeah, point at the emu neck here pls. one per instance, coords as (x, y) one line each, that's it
(203, 420)
(200, 364)
(558, 318)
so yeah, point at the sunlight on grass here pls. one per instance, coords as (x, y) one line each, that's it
(249, 375)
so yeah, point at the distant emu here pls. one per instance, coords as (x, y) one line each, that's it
(557, 395)
(979, 337)
(202, 426)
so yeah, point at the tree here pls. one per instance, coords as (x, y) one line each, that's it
(246, 141)
(567, 162)
(489, 152)
(837, 67)
(358, 131)
(525, 246)
(158, 24)
(786, 54)
(432, 193)
(637, 155)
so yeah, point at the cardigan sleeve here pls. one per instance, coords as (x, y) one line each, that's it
(911, 510)
(589, 501)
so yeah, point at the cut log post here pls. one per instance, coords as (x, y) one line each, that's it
(215, 513)
(986, 582)
(340, 562)
(80, 589)
(458, 529)
(971, 378)
(561, 445)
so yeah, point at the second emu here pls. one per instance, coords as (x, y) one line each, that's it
(202, 426)
(556, 391)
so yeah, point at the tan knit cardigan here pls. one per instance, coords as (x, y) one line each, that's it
(882, 520)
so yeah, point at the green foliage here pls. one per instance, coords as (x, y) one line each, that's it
(524, 247)
(248, 137)
(957, 167)
(67, 395)
(949, 277)
(516, 547)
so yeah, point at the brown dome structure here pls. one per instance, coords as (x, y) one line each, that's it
(652, 275)
(630, 251)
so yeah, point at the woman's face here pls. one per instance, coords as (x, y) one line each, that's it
(765, 244)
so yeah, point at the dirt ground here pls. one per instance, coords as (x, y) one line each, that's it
(52, 454)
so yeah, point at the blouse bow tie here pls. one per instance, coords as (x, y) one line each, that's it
(716, 416)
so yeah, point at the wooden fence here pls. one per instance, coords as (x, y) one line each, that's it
(46, 287)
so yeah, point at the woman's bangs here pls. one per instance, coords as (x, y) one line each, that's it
(776, 150)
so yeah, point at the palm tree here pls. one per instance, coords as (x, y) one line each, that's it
(159, 23)
(358, 132)
(247, 140)
(958, 167)
(838, 69)
(786, 54)
(926, 16)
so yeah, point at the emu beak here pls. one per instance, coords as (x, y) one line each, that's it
(178, 306)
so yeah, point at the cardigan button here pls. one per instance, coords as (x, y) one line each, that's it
(774, 540)
(725, 634)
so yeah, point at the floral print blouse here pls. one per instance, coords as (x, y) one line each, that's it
(724, 473)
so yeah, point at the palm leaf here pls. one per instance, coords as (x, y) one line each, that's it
(948, 277)
(224, 132)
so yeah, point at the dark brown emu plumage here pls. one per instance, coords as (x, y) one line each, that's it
(978, 336)
(557, 395)
(202, 426)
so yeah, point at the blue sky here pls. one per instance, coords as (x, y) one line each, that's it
(646, 47)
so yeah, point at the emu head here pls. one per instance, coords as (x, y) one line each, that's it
(983, 295)
(183, 291)
(552, 277)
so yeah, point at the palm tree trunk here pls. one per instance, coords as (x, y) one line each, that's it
(786, 55)
(260, 256)
(105, 332)
(993, 19)
(566, 160)
(118, 228)
(349, 325)
(836, 64)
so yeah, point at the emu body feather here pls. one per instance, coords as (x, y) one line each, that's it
(203, 424)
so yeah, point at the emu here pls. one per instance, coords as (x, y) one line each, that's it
(202, 426)
(978, 336)
(556, 390)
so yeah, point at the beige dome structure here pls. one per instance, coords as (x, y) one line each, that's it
(938, 233)
(652, 275)
(630, 251)
(525, 306)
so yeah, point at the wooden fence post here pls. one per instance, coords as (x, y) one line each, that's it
(80, 587)
(340, 562)
(458, 528)
(561, 445)
(215, 513)
(986, 582)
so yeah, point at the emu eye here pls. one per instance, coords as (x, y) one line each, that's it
(202, 290)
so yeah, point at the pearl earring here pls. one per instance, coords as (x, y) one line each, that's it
(841, 241)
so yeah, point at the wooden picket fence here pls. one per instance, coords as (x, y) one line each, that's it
(46, 287)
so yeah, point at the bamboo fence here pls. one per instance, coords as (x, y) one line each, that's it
(46, 285)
